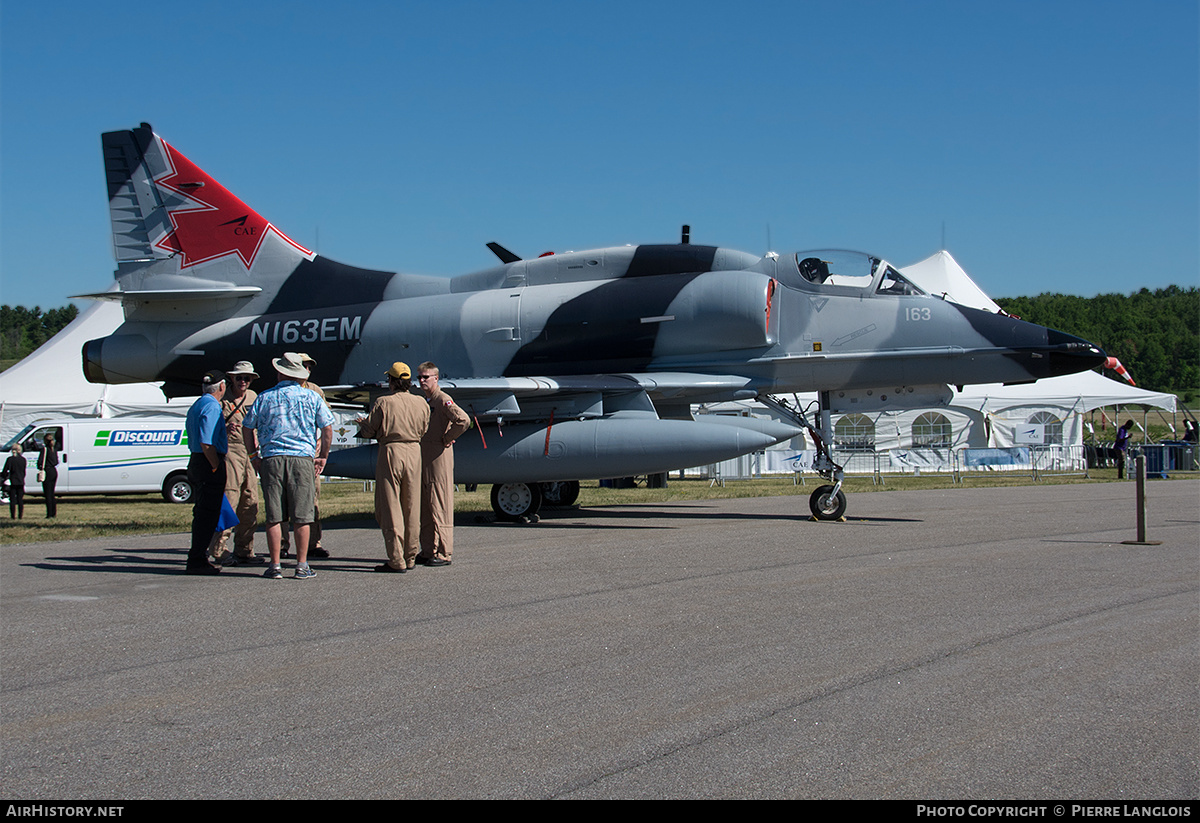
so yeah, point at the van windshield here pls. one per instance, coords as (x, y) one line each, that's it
(19, 437)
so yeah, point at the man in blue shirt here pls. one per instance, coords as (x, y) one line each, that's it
(208, 443)
(281, 426)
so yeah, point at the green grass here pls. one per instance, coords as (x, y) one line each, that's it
(115, 515)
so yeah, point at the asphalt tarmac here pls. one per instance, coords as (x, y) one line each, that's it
(960, 644)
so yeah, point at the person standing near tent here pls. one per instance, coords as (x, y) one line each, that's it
(14, 475)
(47, 464)
(1122, 447)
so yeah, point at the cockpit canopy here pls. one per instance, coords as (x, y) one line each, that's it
(838, 270)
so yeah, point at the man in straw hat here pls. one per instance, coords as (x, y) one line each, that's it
(241, 483)
(398, 421)
(281, 426)
(315, 549)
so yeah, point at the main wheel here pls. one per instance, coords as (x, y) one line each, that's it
(177, 489)
(516, 501)
(560, 493)
(825, 505)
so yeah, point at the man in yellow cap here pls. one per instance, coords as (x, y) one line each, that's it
(398, 421)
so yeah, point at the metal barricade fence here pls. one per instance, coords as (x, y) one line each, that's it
(859, 461)
(852, 461)
(977, 462)
(1059, 461)
(914, 462)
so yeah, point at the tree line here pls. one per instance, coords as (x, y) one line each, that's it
(22, 330)
(1155, 334)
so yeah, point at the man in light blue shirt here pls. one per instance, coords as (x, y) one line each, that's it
(281, 427)
(208, 442)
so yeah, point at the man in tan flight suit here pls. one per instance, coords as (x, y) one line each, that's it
(241, 481)
(446, 422)
(398, 421)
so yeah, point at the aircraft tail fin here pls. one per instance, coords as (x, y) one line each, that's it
(168, 214)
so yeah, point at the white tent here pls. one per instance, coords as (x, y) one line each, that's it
(49, 382)
(940, 275)
(989, 416)
(1067, 398)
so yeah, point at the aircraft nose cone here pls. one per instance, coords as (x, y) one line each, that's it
(1069, 354)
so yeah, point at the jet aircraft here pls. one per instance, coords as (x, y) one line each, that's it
(574, 366)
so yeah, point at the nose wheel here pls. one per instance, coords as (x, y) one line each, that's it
(827, 503)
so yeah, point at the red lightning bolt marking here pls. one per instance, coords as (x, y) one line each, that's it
(218, 224)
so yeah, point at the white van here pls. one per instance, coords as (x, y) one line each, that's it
(111, 455)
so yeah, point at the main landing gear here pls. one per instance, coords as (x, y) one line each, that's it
(520, 502)
(827, 502)
(517, 502)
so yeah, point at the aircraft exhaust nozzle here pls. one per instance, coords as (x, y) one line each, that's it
(119, 358)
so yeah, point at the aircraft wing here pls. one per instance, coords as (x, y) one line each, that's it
(573, 396)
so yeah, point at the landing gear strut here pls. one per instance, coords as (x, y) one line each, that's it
(828, 502)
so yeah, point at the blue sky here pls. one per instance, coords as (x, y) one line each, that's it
(1055, 145)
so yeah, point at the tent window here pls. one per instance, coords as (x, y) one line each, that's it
(932, 430)
(854, 431)
(1052, 428)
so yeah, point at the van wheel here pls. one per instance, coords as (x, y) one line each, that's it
(177, 489)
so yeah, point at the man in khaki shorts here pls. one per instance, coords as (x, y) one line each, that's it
(315, 549)
(281, 426)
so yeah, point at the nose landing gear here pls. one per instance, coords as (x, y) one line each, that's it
(828, 502)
